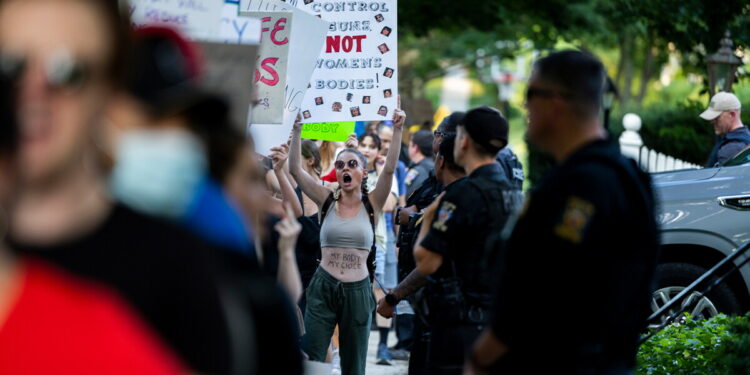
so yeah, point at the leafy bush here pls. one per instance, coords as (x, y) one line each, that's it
(691, 347)
(719, 346)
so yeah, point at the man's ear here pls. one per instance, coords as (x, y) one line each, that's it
(464, 142)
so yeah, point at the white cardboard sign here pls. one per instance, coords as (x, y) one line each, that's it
(307, 38)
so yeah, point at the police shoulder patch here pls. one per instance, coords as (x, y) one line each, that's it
(411, 175)
(445, 212)
(575, 218)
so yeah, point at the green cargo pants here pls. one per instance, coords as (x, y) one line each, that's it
(350, 305)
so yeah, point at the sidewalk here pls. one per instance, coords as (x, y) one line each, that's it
(397, 367)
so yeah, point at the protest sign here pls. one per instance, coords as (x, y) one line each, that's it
(328, 131)
(306, 41)
(356, 76)
(271, 68)
(199, 19)
(237, 29)
(227, 73)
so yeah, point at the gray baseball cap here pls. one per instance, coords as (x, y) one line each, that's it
(721, 102)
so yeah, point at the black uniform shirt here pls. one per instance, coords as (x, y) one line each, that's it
(417, 174)
(464, 223)
(576, 275)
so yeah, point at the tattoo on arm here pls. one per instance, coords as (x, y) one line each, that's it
(412, 283)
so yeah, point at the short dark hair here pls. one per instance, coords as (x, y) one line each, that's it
(446, 151)
(579, 74)
(423, 140)
(450, 122)
(375, 138)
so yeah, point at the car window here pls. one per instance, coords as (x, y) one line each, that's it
(742, 157)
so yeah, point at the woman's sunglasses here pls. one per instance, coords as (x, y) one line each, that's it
(353, 163)
(61, 71)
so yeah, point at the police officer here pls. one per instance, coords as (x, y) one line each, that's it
(458, 241)
(576, 275)
(411, 282)
(420, 153)
(512, 167)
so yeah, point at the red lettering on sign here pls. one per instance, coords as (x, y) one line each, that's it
(268, 65)
(346, 44)
(279, 26)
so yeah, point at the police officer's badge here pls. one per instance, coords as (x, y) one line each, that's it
(444, 214)
(411, 175)
(576, 217)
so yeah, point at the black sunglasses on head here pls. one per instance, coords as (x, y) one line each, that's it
(339, 164)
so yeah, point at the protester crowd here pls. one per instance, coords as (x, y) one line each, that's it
(144, 233)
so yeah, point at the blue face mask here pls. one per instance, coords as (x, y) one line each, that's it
(157, 172)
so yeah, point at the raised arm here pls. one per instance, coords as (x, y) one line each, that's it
(313, 189)
(288, 195)
(385, 180)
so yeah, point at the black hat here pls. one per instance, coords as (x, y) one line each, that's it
(166, 72)
(487, 127)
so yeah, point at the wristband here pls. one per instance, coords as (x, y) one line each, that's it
(391, 299)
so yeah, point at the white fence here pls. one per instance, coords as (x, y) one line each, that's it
(631, 145)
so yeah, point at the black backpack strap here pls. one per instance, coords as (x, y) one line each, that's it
(373, 249)
(326, 206)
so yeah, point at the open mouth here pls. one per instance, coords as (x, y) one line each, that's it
(346, 178)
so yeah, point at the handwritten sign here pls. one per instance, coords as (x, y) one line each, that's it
(328, 131)
(199, 19)
(306, 41)
(236, 29)
(356, 75)
(271, 70)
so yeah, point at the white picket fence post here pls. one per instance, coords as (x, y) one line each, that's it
(631, 145)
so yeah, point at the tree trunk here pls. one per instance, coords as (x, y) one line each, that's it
(648, 68)
(624, 75)
(627, 69)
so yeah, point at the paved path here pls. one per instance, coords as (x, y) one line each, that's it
(398, 367)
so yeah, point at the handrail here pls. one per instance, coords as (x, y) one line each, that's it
(694, 285)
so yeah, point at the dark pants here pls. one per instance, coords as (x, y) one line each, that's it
(350, 305)
(405, 331)
(419, 358)
(449, 347)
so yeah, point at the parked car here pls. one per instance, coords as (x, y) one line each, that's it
(704, 216)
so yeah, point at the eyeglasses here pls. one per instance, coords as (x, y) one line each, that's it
(339, 164)
(61, 71)
(440, 133)
(533, 91)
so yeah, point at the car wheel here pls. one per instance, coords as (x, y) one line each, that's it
(673, 278)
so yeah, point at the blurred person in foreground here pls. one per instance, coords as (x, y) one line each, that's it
(170, 141)
(588, 229)
(179, 157)
(75, 326)
(68, 57)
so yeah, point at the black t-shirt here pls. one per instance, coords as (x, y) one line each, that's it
(163, 271)
(578, 270)
(472, 213)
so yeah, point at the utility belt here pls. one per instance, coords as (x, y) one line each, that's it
(449, 304)
(409, 230)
